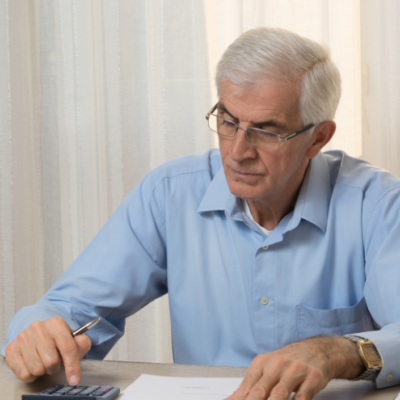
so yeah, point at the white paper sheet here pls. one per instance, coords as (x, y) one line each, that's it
(150, 387)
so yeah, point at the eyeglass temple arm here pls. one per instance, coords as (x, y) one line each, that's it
(306, 128)
(211, 111)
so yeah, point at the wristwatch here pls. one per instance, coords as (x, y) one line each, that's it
(369, 355)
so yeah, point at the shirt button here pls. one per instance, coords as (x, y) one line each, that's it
(265, 248)
(389, 378)
(264, 301)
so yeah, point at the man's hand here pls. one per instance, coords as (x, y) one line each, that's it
(304, 368)
(44, 347)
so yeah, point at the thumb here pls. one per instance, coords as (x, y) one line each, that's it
(84, 344)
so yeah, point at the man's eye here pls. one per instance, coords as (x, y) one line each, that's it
(265, 133)
(269, 130)
(228, 124)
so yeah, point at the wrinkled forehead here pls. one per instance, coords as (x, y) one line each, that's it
(264, 97)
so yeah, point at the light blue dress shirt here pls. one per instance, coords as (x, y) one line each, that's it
(332, 266)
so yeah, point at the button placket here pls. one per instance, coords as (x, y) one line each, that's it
(264, 279)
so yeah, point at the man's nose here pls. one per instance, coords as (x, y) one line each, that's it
(241, 148)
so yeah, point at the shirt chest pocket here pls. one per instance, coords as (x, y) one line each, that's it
(338, 321)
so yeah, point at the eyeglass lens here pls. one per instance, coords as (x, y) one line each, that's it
(255, 136)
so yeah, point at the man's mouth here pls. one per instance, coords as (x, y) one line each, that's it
(241, 173)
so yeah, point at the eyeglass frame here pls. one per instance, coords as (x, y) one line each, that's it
(281, 139)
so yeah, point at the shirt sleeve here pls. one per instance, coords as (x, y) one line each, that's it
(382, 285)
(121, 270)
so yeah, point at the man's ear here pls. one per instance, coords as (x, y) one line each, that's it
(322, 134)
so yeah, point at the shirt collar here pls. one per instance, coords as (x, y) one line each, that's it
(315, 193)
(312, 203)
(217, 194)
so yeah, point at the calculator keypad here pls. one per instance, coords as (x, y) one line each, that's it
(51, 389)
(76, 390)
(64, 390)
(89, 391)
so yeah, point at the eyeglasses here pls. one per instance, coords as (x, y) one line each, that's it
(257, 137)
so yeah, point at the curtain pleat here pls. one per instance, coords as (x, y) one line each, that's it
(96, 93)
(8, 300)
(380, 49)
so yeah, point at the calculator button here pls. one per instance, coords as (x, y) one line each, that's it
(51, 389)
(88, 390)
(63, 391)
(76, 390)
(102, 391)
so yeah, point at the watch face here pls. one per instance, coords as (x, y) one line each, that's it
(371, 353)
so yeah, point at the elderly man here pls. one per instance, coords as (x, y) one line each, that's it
(270, 250)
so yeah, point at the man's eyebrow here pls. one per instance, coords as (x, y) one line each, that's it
(223, 108)
(271, 122)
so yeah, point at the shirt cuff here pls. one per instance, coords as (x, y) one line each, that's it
(3, 348)
(40, 311)
(387, 343)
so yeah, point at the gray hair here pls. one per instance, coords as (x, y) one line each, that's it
(274, 53)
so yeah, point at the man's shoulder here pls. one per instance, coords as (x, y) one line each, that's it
(208, 163)
(373, 181)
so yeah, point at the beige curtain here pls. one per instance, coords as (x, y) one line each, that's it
(96, 93)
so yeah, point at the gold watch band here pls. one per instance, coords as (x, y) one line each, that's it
(369, 355)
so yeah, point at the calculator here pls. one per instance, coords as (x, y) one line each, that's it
(69, 392)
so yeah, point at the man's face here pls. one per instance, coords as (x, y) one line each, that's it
(256, 173)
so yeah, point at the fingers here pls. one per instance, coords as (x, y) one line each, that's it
(276, 389)
(310, 387)
(84, 344)
(68, 350)
(253, 375)
(27, 362)
(284, 388)
(293, 377)
(16, 363)
(277, 385)
(300, 368)
(43, 348)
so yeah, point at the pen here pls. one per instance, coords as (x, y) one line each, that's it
(85, 327)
